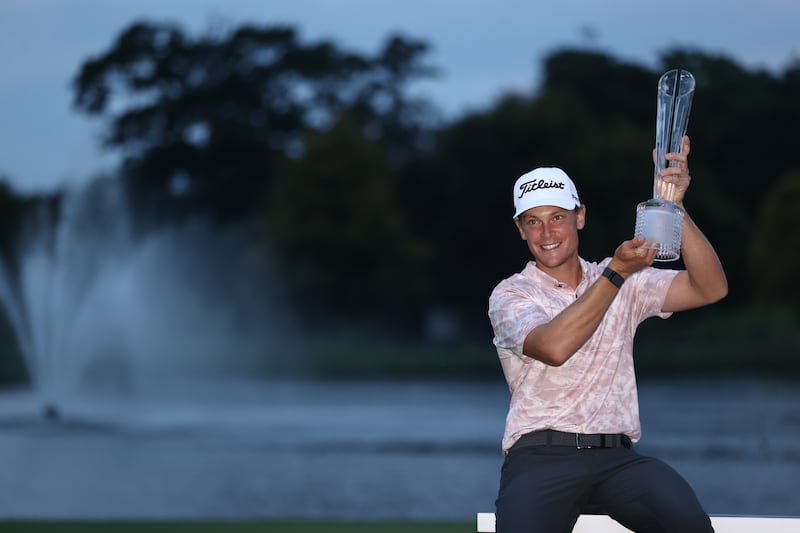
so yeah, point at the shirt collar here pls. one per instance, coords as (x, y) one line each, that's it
(540, 276)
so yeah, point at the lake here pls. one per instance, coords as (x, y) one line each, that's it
(421, 449)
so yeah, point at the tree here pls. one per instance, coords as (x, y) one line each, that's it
(774, 247)
(202, 122)
(345, 246)
(606, 87)
(734, 119)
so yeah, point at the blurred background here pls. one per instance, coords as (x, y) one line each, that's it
(247, 247)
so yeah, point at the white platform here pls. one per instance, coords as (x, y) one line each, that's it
(722, 524)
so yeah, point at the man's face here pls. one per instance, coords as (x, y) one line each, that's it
(552, 233)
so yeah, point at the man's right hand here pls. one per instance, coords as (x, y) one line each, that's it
(632, 256)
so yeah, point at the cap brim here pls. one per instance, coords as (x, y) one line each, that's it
(556, 202)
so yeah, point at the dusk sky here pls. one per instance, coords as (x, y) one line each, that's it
(482, 48)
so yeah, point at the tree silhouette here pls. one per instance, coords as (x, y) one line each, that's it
(202, 122)
(345, 245)
(252, 125)
(774, 247)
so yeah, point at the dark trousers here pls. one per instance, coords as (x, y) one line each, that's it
(543, 489)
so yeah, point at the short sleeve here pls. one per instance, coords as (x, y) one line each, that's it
(650, 287)
(514, 312)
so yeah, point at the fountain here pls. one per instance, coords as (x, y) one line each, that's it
(99, 312)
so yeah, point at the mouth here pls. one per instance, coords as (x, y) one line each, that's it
(549, 247)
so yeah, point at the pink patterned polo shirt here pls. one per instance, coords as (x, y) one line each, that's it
(594, 391)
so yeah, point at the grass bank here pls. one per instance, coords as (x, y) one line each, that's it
(752, 341)
(706, 342)
(233, 527)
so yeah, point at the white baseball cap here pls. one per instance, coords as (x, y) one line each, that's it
(544, 186)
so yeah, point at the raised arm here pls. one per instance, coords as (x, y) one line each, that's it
(703, 282)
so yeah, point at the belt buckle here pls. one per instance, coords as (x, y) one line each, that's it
(578, 443)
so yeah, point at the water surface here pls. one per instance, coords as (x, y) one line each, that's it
(408, 450)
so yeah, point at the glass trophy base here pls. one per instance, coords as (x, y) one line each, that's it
(661, 223)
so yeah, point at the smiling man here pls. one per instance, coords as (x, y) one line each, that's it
(563, 330)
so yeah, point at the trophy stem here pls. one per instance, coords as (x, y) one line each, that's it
(674, 103)
(676, 91)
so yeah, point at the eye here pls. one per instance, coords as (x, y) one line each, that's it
(532, 221)
(558, 218)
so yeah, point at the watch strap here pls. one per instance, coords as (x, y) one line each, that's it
(613, 277)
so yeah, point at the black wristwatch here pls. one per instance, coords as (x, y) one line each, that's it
(613, 277)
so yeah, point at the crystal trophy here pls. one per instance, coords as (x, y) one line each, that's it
(660, 219)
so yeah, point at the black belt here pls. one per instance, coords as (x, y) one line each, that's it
(551, 437)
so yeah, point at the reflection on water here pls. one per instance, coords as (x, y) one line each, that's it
(410, 450)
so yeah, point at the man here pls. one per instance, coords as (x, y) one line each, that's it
(564, 331)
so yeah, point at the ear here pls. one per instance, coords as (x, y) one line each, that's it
(581, 217)
(519, 227)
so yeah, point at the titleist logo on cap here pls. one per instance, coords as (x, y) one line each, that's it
(544, 186)
(535, 185)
